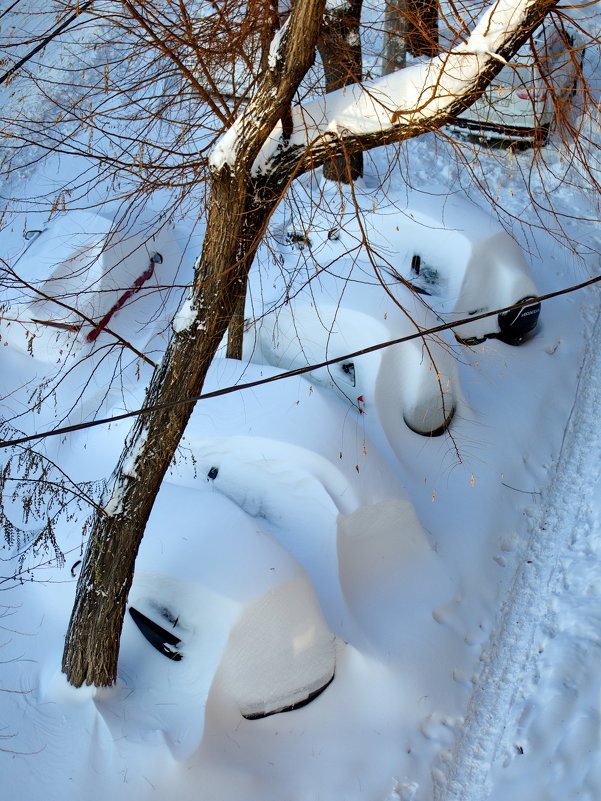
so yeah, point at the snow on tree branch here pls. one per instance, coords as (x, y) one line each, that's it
(409, 101)
(291, 54)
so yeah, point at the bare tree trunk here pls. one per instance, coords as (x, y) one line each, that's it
(235, 331)
(422, 27)
(395, 33)
(410, 26)
(239, 210)
(233, 233)
(340, 50)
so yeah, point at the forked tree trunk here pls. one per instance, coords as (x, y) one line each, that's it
(340, 51)
(239, 210)
(233, 233)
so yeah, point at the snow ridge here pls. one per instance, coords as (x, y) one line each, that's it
(509, 658)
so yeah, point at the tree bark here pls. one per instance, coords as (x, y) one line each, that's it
(395, 36)
(235, 331)
(421, 29)
(410, 26)
(340, 50)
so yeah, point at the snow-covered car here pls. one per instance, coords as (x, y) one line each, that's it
(217, 601)
(521, 103)
(417, 378)
(457, 257)
(80, 274)
(465, 264)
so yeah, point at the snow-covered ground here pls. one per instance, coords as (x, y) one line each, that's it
(449, 585)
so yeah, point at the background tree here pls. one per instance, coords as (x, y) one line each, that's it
(410, 26)
(339, 46)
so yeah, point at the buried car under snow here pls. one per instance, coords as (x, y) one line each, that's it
(216, 606)
(231, 615)
(522, 103)
(417, 377)
(81, 275)
(454, 254)
(335, 312)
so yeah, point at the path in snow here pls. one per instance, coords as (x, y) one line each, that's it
(517, 682)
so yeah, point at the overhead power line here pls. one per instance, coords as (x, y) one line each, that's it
(299, 370)
(46, 40)
(10, 8)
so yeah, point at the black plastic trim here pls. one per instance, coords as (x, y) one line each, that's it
(299, 704)
(157, 636)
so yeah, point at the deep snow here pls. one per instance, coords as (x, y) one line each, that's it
(453, 583)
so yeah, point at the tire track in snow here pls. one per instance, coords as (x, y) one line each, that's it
(509, 657)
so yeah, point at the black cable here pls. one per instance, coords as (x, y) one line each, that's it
(10, 8)
(41, 45)
(300, 370)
